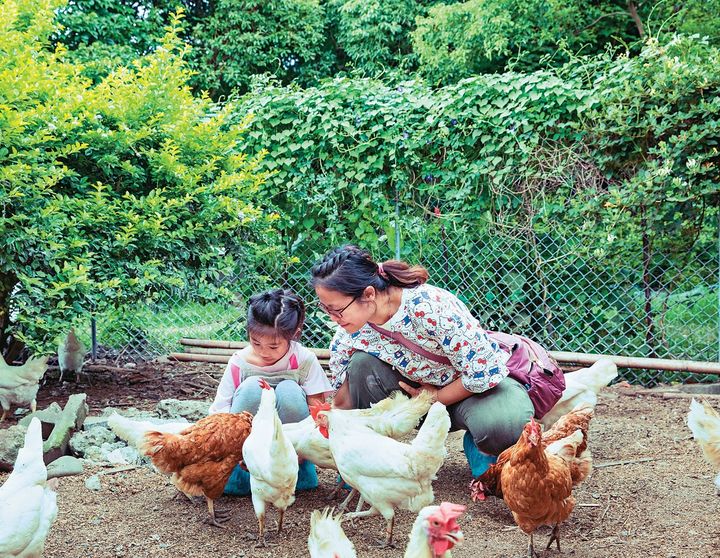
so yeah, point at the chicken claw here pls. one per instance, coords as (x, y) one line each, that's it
(554, 536)
(531, 549)
(217, 518)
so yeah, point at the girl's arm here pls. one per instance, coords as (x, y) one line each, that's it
(315, 399)
(225, 392)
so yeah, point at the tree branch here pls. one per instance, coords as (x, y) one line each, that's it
(636, 18)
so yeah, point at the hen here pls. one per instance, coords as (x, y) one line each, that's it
(396, 416)
(71, 355)
(581, 388)
(704, 422)
(19, 384)
(201, 457)
(327, 538)
(28, 506)
(387, 473)
(133, 431)
(489, 483)
(537, 487)
(435, 532)
(271, 461)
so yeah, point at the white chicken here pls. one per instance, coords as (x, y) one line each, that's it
(387, 473)
(581, 387)
(19, 384)
(704, 423)
(435, 532)
(133, 431)
(28, 506)
(327, 538)
(271, 461)
(71, 354)
(395, 416)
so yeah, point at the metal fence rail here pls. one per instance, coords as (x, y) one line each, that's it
(554, 289)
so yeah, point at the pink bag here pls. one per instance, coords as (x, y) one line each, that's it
(529, 364)
(532, 366)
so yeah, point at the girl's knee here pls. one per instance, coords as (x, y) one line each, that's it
(246, 396)
(289, 388)
(291, 402)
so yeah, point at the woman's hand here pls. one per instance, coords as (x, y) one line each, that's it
(342, 397)
(447, 395)
(414, 391)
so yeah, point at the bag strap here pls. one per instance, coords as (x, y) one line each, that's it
(235, 372)
(414, 347)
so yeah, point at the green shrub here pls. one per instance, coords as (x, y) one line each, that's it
(285, 38)
(111, 193)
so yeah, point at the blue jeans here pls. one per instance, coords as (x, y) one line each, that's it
(290, 399)
(291, 404)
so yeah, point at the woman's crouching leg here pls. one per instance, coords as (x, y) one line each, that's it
(495, 418)
(371, 380)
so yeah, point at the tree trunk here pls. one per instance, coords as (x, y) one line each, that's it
(632, 8)
(649, 319)
(7, 284)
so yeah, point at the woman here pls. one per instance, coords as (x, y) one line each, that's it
(440, 347)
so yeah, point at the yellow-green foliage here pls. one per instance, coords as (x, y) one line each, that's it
(112, 192)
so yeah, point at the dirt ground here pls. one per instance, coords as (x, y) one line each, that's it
(659, 502)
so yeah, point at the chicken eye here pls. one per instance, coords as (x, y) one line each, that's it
(435, 523)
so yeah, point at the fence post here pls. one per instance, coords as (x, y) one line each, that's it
(93, 337)
(397, 223)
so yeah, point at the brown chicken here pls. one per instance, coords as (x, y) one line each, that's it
(488, 484)
(537, 486)
(202, 457)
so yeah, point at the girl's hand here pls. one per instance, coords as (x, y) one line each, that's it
(412, 391)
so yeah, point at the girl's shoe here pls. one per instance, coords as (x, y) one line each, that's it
(307, 476)
(239, 482)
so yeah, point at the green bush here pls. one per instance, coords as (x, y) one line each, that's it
(111, 193)
(457, 40)
(102, 35)
(285, 38)
(374, 36)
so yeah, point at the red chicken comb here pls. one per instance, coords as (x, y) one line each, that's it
(263, 383)
(451, 511)
(315, 408)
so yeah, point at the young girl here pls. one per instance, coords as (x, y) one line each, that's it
(274, 322)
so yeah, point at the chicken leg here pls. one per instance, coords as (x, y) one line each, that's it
(554, 536)
(531, 549)
(387, 543)
(262, 542)
(281, 514)
(388, 534)
(217, 518)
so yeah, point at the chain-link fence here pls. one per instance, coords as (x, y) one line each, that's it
(554, 289)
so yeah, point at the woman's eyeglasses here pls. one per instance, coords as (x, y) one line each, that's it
(336, 313)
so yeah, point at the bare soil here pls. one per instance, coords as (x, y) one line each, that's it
(651, 494)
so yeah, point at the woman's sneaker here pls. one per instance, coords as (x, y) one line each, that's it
(479, 461)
